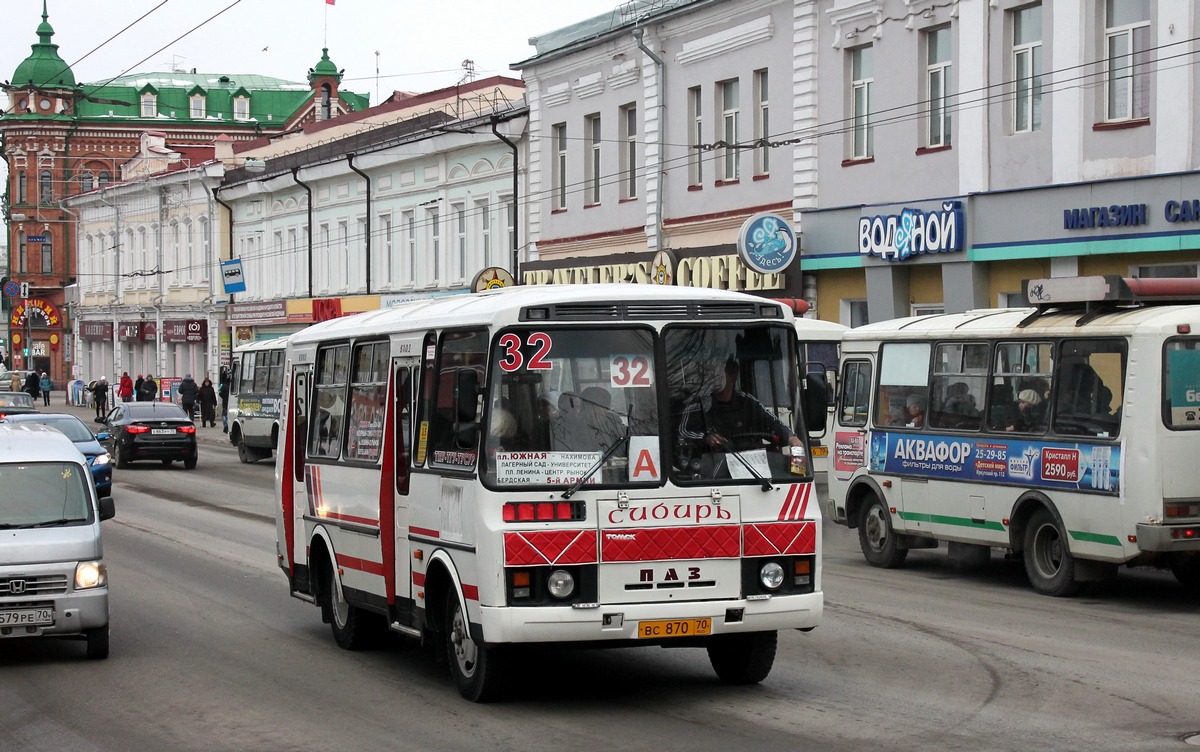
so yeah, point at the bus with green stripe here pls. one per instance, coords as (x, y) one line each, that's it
(1065, 434)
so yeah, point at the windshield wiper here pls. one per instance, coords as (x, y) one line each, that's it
(28, 525)
(766, 484)
(600, 462)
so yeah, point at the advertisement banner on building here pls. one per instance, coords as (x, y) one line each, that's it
(129, 331)
(274, 312)
(96, 330)
(193, 330)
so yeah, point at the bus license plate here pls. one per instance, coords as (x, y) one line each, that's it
(820, 451)
(31, 617)
(674, 628)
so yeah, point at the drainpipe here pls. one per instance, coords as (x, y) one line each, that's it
(366, 177)
(308, 190)
(516, 256)
(661, 77)
(228, 225)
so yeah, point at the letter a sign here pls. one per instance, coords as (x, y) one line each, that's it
(643, 459)
(231, 276)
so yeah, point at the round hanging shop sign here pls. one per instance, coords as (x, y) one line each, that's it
(767, 243)
(492, 278)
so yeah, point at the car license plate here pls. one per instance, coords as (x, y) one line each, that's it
(162, 431)
(28, 617)
(820, 451)
(674, 628)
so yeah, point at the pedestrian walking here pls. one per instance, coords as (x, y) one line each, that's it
(187, 395)
(224, 381)
(125, 387)
(33, 385)
(100, 397)
(46, 385)
(208, 404)
(148, 390)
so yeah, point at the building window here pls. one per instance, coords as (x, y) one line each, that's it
(241, 108)
(1027, 68)
(591, 167)
(695, 136)
(22, 188)
(326, 102)
(22, 254)
(510, 224)
(410, 244)
(937, 78)
(558, 168)
(762, 123)
(727, 128)
(105, 179)
(47, 255)
(149, 105)
(196, 106)
(854, 313)
(435, 242)
(1127, 44)
(460, 239)
(628, 157)
(484, 211)
(862, 77)
(85, 182)
(389, 249)
(46, 187)
(1167, 270)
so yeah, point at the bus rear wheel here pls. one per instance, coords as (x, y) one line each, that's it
(1048, 562)
(1186, 569)
(876, 537)
(743, 658)
(477, 668)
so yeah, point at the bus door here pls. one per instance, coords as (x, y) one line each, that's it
(398, 466)
(294, 484)
(850, 440)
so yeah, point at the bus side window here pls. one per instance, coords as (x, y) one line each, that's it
(856, 391)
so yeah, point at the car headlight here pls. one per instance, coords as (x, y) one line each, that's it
(100, 460)
(561, 584)
(771, 575)
(90, 574)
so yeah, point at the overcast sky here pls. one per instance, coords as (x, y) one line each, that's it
(421, 43)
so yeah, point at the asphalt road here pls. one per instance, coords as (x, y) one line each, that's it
(209, 652)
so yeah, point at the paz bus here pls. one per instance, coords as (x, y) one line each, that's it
(537, 465)
(1066, 433)
(255, 388)
(820, 348)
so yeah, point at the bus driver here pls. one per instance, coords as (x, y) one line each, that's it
(728, 419)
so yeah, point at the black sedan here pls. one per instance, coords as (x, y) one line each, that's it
(150, 431)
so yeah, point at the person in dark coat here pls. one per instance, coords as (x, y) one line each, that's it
(208, 404)
(187, 395)
(137, 388)
(100, 397)
(33, 385)
(225, 380)
(149, 390)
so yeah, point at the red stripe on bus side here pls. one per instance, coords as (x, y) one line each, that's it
(419, 579)
(360, 565)
(471, 592)
(425, 532)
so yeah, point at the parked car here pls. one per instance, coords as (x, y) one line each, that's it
(150, 431)
(53, 581)
(79, 433)
(16, 403)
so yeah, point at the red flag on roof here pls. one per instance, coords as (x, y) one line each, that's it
(330, 2)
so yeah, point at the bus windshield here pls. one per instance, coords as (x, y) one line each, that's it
(562, 399)
(734, 396)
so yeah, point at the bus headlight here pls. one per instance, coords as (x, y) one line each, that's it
(561, 584)
(90, 574)
(771, 575)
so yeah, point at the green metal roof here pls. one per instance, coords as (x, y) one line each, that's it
(44, 67)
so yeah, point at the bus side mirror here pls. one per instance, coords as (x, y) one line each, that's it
(816, 402)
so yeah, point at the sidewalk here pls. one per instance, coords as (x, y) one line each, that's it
(60, 404)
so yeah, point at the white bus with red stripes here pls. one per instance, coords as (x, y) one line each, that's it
(552, 464)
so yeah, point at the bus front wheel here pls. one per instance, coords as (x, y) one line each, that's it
(1048, 563)
(477, 668)
(743, 658)
(876, 537)
(349, 623)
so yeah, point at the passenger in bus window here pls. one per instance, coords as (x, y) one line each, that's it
(1029, 412)
(914, 411)
(960, 401)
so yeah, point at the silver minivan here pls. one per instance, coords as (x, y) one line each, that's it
(53, 582)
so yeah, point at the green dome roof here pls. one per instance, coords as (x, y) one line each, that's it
(44, 67)
(324, 68)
